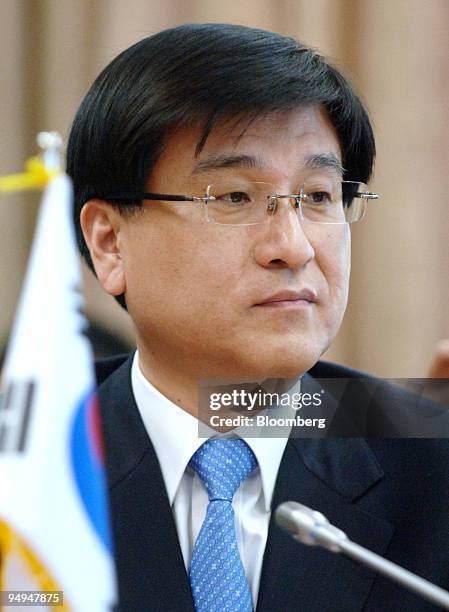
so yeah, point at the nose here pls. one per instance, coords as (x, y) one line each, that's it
(284, 243)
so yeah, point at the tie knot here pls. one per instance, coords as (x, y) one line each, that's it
(223, 464)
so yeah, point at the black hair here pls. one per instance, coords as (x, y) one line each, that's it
(200, 73)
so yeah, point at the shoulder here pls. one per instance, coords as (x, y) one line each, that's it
(104, 368)
(383, 407)
(114, 386)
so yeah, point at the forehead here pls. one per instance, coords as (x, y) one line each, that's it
(280, 142)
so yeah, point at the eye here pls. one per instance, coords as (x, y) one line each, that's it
(320, 197)
(235, 197)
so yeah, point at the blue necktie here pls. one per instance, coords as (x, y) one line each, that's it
(216, 571)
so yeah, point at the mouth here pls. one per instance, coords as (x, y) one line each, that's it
(289, 299)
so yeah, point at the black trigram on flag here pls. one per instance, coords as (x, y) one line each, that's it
(15, 416)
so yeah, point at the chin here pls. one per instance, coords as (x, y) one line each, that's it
(281, 362)
(291, 370)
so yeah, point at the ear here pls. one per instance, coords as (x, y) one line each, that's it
(101, 224)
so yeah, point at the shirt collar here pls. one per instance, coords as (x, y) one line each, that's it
(174, 434)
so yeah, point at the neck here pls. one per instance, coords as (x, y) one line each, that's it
(182, 386)
(174, 383)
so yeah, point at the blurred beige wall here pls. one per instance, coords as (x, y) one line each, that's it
(395, 52)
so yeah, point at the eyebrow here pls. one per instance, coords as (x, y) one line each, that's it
(216, 162)
(325, 160)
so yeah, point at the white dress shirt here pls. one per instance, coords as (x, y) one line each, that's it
(174, 435)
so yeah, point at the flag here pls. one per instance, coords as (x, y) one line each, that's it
(54, 528)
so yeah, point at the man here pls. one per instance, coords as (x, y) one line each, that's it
(208, 162)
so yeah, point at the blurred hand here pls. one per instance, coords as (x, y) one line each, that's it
(439, 367)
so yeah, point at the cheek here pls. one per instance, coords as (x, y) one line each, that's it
(333, 254)
(184, 270)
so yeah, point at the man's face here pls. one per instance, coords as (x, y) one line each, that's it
(207, 298)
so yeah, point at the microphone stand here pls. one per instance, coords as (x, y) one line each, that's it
(312, 528)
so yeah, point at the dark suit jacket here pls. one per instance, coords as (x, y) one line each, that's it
(391, 496)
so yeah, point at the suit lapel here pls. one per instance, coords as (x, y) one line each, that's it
(331, 476)
(149, 561)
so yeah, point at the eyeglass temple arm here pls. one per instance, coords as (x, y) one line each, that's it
(133, 197)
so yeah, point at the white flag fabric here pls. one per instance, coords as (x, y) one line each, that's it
(54, 528)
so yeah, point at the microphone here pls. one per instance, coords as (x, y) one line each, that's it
(312, 528)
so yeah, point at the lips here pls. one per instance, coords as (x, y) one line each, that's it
(305, 295)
